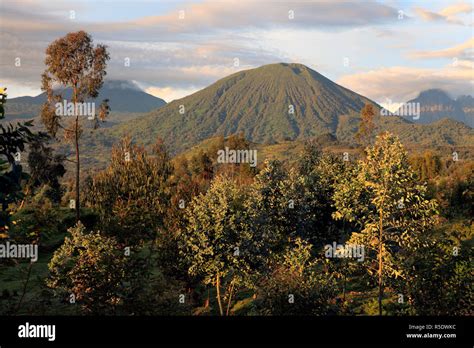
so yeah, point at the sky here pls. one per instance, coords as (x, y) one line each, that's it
(388, 51)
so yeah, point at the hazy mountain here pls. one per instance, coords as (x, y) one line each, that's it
(466, 102)
(436, 104)
(124, 96)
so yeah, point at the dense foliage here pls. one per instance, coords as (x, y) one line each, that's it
(323, 227)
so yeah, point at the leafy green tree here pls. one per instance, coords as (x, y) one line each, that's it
(131, 195)
(269, 208)
(461, 197)
(73, 63)
(13, 140)
(90, 269)
(46, 169)
(441, 281)
(386, 201)
(321, 171)
(289, 203)
(427, 166)
(216, 243)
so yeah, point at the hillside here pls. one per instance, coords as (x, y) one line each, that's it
(255, 102)
(291, 150)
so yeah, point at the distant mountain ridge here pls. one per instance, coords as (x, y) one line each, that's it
(124, 96)
(436, 104)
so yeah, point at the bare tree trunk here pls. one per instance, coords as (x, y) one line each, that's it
(230, 297)
(380, 262)
(218, 285)
(206, 302)
(78, 167)
(344, 284)
(23, 293)
(27, 191)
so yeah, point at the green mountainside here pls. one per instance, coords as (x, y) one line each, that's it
(257, 104)
(254, 102)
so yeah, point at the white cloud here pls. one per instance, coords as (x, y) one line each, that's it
(448, 14)
(401, 84)
(461, 51)
(170, 93)
(175, 57)
(456, 9)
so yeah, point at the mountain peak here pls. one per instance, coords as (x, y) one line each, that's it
(123, 96)
(121, 84)
(434, 95)
(285, 65)
(282, 67)
(267, 104)
(436, 104)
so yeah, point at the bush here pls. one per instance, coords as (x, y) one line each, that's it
(297, 285)
(91, 268)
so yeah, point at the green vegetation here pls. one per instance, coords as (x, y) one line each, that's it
(250, 242)
(267, 104)
(318, 226)
(384, 198)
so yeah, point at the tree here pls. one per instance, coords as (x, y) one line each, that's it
(79, 68)
(45, 169)
(91, 269)
(289, 203)
(3, 100)
(13, 140)
(320, 172)
(384, 198)
(269, 208)
(427, 166)
(215, 242)
(441, 281)
(131, 195)
(366, 127)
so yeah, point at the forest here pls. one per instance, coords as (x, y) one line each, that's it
(374, 230)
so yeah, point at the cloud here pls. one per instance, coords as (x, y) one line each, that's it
(428, 15)
(461, 51)
(209, 16)
(177, 56)
(456, 9)
(401, 84)
(166, 51)
(185, 65)
(170, 93)
(448, 14)
(218, 15)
